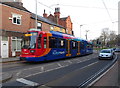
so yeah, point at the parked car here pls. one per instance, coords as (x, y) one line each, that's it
(113, 49)
(106, 54)
(117, 50)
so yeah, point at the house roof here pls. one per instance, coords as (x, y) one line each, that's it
(15, 5)
(40, 18)
(64, 18)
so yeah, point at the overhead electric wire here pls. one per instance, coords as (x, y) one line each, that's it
(53, 9)
(84, 7)
(87, 7)
(107, 10)
(45, 5)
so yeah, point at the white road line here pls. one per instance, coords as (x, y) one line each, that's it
(79, 61)
(90, 64)
(18, 73)
(83, 60)
(31, 68)
(28, 82)
(75, 60)
(69, 61)
(58, 68)
(35, 67)
(42, 69)
(42, 72)
(59, 65)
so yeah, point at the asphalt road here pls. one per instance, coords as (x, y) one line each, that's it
(68, 72)
(23, 69)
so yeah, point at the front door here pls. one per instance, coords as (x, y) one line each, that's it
(4, 49)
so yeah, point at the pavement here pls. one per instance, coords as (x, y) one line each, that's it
(11, 59)
(4, 76)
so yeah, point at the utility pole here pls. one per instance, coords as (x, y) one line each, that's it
(36, 16)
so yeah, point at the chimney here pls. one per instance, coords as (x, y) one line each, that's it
(57, 15)
(44, 14)
(19, 2)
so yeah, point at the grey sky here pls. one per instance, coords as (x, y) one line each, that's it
(90, 13)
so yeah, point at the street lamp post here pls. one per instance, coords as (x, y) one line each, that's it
(80, 30)
(113, 25)
(86, 34)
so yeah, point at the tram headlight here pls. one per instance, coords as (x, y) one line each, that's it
(32, 51)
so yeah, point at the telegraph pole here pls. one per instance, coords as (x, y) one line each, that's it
(36, 16)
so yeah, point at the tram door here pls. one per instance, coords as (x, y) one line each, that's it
(68, 48)
(78, 48)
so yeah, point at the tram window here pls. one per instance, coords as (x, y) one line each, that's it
(39, 42)
(61, 43)
(66, 44)
(82, 45)
(74, 45)
(91, 46)
(88, 46)
(45, 42)
(53, 42)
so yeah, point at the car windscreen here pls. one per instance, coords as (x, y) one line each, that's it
(117, 49)
(105, 51)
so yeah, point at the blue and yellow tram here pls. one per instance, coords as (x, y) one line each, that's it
(41, 46)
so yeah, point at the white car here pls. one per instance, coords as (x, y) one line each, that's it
(106, 54)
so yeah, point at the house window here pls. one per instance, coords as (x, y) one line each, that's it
(39, 26)
(16, 19)
(4, 38)
(16, 44)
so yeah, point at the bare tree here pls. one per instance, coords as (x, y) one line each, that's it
(112, 35)
(112, 39)
(107, 39)
(118, 40)
(104, 36)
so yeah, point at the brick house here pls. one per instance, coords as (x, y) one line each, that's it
(16, 21)
(45, 24)
(65, 22)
